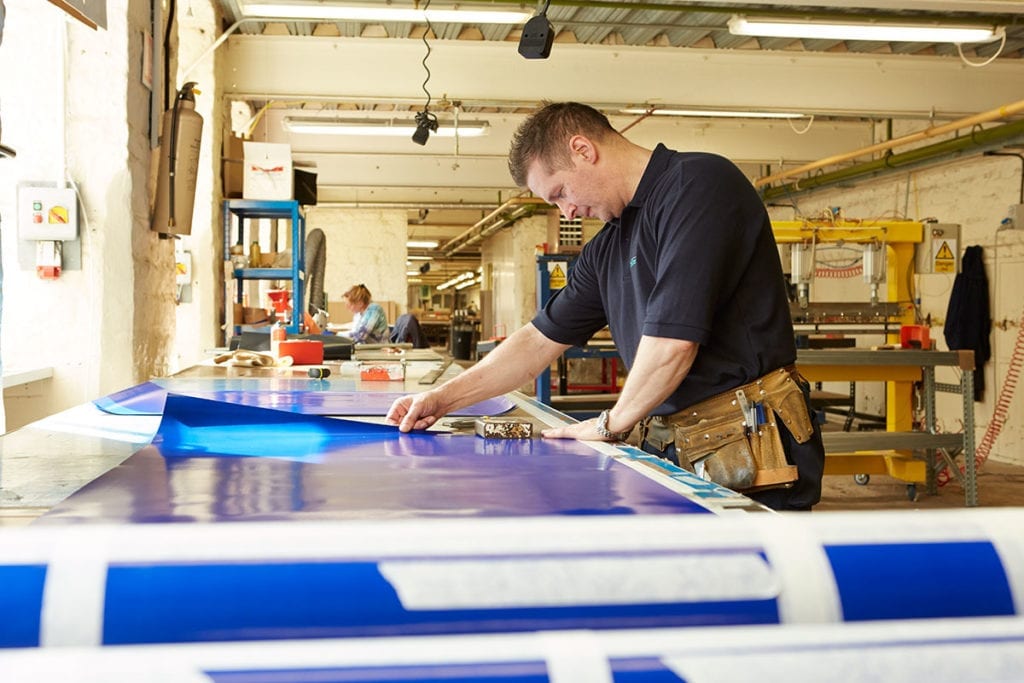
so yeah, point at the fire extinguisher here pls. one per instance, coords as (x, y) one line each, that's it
(181, 133)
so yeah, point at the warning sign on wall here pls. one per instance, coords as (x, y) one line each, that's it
(556, 272)
(944, 258)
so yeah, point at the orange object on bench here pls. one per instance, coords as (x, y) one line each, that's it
(302, 351)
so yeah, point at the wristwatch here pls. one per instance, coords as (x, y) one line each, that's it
(602, 428)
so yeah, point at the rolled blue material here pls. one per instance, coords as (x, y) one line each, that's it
(192, 583)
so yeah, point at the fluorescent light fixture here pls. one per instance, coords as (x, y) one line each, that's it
(714, 113)
(883, 31)
(420, 258)
(380, 127)
(386, 13)
(421, 244)
(412, 272)
(460, 281)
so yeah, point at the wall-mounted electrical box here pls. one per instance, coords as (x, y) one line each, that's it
(939, 250)
(47, 213)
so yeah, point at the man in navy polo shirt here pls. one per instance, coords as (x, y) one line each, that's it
(685, 273)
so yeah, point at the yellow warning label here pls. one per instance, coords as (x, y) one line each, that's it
(557, 280)
(945, 261)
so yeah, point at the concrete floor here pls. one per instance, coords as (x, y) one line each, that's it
(999, 485)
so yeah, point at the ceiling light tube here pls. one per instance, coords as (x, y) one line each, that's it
(382, 127)
(422, 244)
(356, 12)
(837, 30)
(714, 113)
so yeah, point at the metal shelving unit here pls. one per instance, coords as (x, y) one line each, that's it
(237, 215)
(879, 452)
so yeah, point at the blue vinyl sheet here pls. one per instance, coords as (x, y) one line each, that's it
(304, 396)
(920, 580)
(212, 461)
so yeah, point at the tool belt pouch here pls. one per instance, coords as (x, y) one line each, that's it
(714, 432)
(723, 449)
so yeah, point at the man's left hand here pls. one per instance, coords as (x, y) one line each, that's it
(584, 431)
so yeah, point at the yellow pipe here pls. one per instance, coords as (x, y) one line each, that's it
(996, 114)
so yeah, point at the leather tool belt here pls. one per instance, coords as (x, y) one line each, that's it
(733, 436)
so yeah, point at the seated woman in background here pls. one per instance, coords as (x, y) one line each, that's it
(369, 324)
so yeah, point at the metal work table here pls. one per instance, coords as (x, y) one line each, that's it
(859, 453)
(44, 463)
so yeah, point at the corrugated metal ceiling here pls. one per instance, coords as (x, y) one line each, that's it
(691, 24)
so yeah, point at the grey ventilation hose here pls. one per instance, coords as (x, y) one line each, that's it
(316, 264)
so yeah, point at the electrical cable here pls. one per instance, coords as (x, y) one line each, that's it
(1001, 410)
(430, 29)
(171, 12)
(1019, 156)
(988, 61)
(426, 122)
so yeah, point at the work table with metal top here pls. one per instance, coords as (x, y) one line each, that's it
(850, 452)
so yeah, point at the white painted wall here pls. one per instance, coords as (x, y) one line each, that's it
(76, 110)
(64, 114)
(511, 257)
(364, 246)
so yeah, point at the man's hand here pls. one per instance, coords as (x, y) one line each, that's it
(583, 431)
(416, 411)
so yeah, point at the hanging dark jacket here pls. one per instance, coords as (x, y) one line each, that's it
(968, 321)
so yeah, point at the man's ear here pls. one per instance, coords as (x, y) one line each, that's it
(582, 148)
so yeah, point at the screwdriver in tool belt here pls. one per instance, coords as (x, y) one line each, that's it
(749, 416)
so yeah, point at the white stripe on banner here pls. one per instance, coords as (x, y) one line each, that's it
(808, 594)
(1008, 540)
(74, 591)
(575, 657)
(591, 580)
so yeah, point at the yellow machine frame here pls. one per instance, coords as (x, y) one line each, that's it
(900, 239)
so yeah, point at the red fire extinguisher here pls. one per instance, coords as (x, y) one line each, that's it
(181, 134)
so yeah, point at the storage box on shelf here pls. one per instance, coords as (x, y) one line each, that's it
(240, 228)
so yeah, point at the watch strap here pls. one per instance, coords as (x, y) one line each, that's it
(602, 428)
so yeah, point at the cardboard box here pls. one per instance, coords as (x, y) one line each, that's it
(232, 165)
(267, 172)
(248, 315)
(337, 311)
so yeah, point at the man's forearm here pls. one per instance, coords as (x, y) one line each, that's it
(513, 363)
(660, 366)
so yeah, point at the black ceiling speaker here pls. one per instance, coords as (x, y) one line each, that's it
(425, 268)
(538, 34)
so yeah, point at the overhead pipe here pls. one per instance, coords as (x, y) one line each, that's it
(999, 113)
(978, 139)
(479, 206)
(506, 214)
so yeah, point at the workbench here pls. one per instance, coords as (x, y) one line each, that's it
(897, 450)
